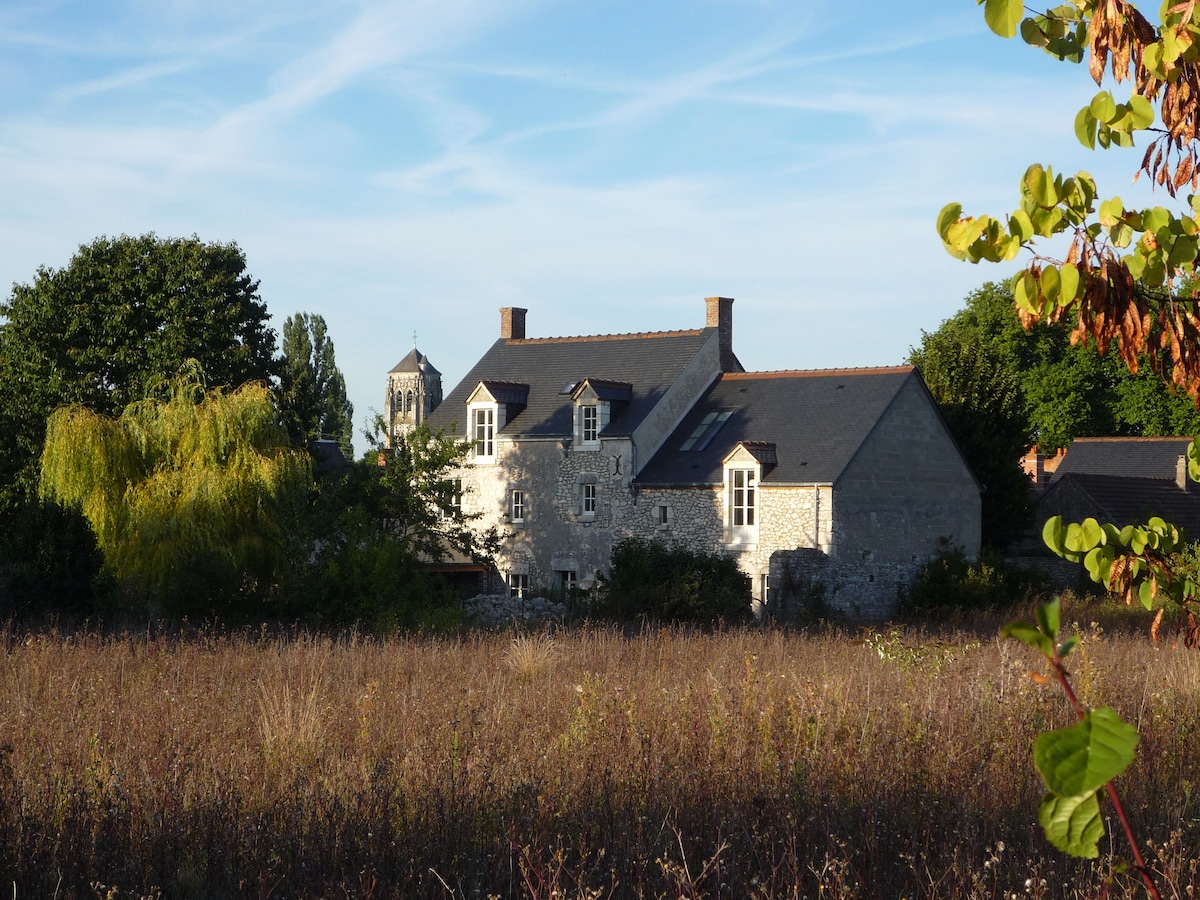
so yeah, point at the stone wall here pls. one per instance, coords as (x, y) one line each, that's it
(809, 582)
(554, 536)
(907, 487)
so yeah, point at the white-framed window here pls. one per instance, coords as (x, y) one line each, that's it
(589, 416)
(741, 505)
(483, 431)
(742, 498)
(516, 510)
(518, 584)
(567, 580)
(587, 501)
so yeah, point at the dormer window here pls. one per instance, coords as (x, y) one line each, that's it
(597, 402)
(590, 423)
(483, 426)
(744, 469)
(491, 406)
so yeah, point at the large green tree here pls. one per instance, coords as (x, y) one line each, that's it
(312, 389)
(122, 316)
(186, 493)
(375, 526)
(1069, 389)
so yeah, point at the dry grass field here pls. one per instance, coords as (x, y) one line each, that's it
(581, 763)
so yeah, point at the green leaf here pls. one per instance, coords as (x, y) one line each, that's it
(1152, 60)
(1031, 32)
(1103, 107)
(1141, 111)
(1039, 184)
(1121, 234)
(1083, 536)
(1073, 824)
(1073, 761)
(1085, 128)
(1146, 593)
(1003, 16)
(1069, 279)
(1098, 564)
(1054, 535)
(1111, 211)
(949, 214)
(1020, 225)
(1048, 617)
(1068, 645)
(1031, 636)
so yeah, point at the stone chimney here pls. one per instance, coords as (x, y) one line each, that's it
(719, 315)
(1181, 473)
(512, 323)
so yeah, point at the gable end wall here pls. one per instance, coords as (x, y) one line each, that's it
(905, 488)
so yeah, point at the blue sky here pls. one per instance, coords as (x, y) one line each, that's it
(402, 166)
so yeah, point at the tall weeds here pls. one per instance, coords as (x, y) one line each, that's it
(591, 764)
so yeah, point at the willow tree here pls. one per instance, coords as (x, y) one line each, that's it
(186, 492)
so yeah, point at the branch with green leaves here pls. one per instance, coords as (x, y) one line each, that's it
(1077, 762)
(1120, 279)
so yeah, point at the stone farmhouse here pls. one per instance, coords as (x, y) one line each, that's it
(847, 479)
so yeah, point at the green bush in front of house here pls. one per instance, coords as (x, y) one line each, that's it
(951, 581)
(654, 580)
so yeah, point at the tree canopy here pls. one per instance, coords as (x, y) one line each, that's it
(1068, 389)
(1127, 278)
(185, 493)
(121, 317)
(312, 388)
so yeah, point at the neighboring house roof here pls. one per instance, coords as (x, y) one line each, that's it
(1126, 457)
(648, 363)
(415, 361)
(328, 456)
(1122, 501)
(816, 421)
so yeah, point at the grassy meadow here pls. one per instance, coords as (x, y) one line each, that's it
(586, 762)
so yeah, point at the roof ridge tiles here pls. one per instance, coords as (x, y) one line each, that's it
(606, 337)
(1139, 438)
(813, 373)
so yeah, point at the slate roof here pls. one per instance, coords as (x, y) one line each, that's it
(415, 361)
(816, 419)
(1130, 501)
(1128, 457)
(650, 363)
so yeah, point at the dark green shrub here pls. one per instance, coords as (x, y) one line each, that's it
(951, 581)
(651, 579)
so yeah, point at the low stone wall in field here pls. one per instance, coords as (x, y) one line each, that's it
(806, 581)
(498, 610)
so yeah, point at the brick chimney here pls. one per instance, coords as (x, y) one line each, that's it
(1181, 473)
(512, 323)
(719, 315)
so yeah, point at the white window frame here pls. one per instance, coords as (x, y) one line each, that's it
(589, 423)
(568, 580)
(483, 446)
(516, 506)
(518, 584)
(741, 493)
(588, 500)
